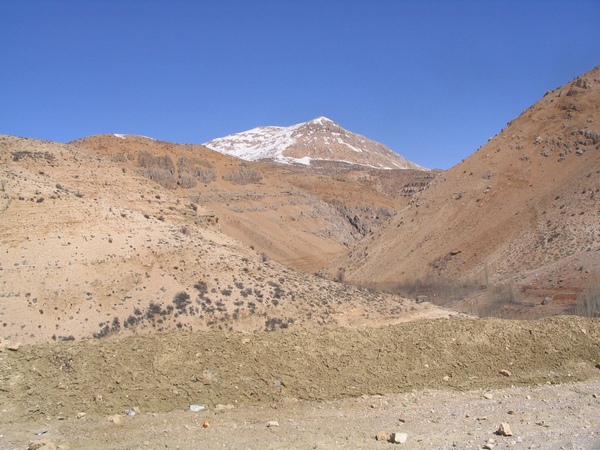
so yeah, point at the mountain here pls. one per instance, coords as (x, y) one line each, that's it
(521, 212)
(320, 139)
(112, 235)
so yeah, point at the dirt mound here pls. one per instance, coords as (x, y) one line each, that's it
(165, 372)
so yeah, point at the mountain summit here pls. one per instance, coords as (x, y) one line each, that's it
(318, 139)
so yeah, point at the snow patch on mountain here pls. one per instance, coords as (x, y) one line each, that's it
(318, 139)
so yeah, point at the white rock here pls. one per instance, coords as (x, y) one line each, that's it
(116, 419)
(272, 423)
(504, 429)
(399, 438)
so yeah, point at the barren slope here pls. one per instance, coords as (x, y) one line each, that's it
(302, 217)
(89, 246)
(524, 208)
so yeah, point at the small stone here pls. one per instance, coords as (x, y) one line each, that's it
(205, 425)
(196, 408)
(14, 347)
(221, 407)
(404, 419)
(511, 412)
(399, 438)
(80, 415)
(506, 373)
(382, 436)
(488, 396)
(116, 419)
(598, 366)
(446, 378)
(488, 446)
(272, 423)
(504, 430)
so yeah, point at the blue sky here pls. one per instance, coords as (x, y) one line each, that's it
(433, 80)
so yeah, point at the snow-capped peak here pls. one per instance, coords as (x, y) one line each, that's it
(318, 139)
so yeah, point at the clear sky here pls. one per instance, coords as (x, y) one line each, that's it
(433, 80)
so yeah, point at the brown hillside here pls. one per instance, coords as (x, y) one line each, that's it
(303, 217)
(524, 209)
(90, 246)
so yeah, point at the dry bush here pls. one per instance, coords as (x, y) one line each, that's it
(243, 176)
(588, 301)
(159, 169)
(185, 181)
(205, 175)
(438, 290)
(161, 176)
(340, 276)
(190, 171)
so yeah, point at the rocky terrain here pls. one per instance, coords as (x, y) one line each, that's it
(101, 239)
(521, 212)
(140, 279)
(445, 383)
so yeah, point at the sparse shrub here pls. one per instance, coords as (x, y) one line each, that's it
(181, 301)
(202, 288)
(17, 156)
(116, 325)
(243, 176)
(341, 275)
(588, 301)
(104, 331)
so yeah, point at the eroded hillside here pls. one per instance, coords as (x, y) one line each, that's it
(95, 242)
(523, 209)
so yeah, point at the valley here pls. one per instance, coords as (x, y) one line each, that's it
(297, 274)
